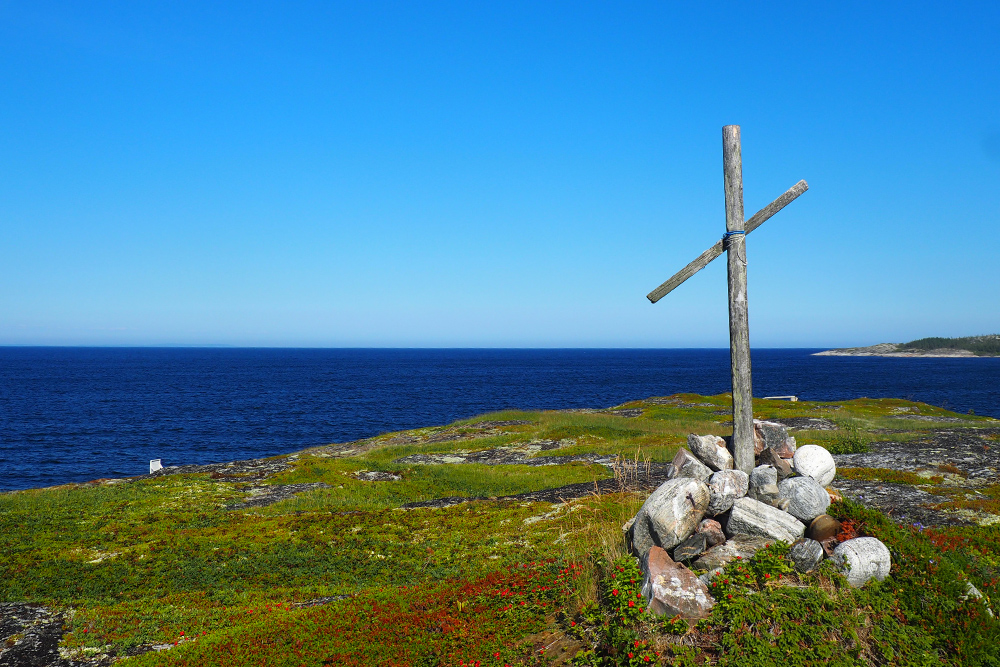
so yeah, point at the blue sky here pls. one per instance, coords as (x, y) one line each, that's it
(513, 174)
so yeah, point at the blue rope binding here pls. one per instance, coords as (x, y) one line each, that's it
(737, 231)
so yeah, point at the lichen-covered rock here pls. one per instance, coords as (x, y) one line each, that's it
(805, 554)
(814, 461)
(672, 589)
(806, 498)
(744, 546)
(863, 558)
(712, 530)
(726, 487)
(764, 485)
(686, 464)
(669, 515)
(769, 458)
(711, 449)
(751, 517)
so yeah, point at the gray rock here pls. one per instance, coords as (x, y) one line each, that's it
(764, 485)
(861, 559)
(769, 458)
(672, 589)
(726, 487)
(806, 498)
(751, 517)
(685, 464)
(711, 449)
(806, 554)
(814, 461)
(669, 515)
(712, 530)
(768, 435)
(691, 547)
(743, 546)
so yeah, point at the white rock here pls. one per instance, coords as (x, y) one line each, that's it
(669, 515)
(816, 462)
(751, 517)
(863, 558)
(726, 487)
(806, 498)
(711, 449)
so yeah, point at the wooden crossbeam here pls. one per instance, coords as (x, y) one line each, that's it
(704, 258)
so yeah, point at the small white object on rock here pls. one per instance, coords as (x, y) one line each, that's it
(806, 498)
(669, 515)
(863, 558)
(751, 517)
(816, 462)
(155, 464)
(711, 449)
(726, 486)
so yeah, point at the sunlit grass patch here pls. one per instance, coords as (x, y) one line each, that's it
(428, 482)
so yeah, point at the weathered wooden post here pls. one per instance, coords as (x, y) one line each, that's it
(734, 243)
(739, 324)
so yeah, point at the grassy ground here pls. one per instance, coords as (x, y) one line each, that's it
(345, 575)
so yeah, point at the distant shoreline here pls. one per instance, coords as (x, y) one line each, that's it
(892, 350)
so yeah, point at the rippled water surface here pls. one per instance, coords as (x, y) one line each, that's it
(76, 414)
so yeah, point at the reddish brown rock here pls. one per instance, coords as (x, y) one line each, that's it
(785, 449)
(768, 435)
(672, 589)
(713, 532)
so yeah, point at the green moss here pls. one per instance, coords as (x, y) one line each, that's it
(886, 475)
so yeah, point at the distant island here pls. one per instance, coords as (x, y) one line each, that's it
(970, 346)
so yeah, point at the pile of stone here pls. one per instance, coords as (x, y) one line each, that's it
(708, 514)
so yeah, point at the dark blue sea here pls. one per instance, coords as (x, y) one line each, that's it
(77, 414)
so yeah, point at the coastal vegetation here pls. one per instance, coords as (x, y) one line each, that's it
(979, 345)
(497, 540)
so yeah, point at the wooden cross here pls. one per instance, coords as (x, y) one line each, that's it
(734, 242)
